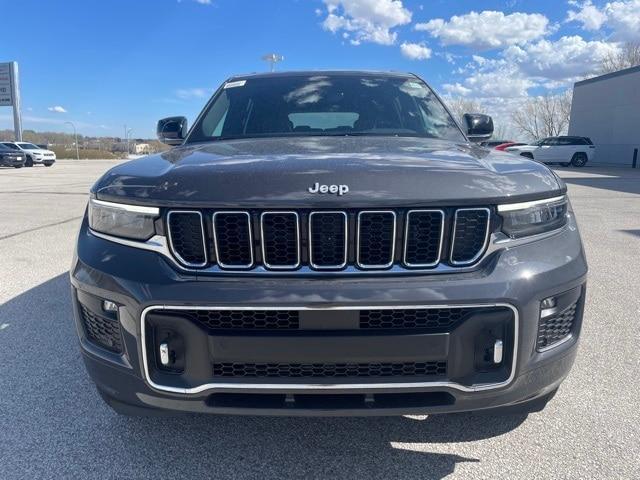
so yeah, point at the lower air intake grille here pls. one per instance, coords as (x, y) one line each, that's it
(433, 318)
(241, 319)
(102, 331)
(471, 229)
(329, 370)
(186, 237)
(556, 328)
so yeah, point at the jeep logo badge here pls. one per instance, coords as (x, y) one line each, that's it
(337, 189)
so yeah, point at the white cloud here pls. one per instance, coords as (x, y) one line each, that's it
(589, 15)
(487, 29)
(57, 109)
(565, 59)
(366, 20)
(193, 93)
(415, 51)
(621, 17)
(456, 89)
(204, 2)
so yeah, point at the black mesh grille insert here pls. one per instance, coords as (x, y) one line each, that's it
(102, 331)
(232, 234)
(185, 230)
(280, 239)
(328, 239)
(432, 318)
(329, 370)
(240, 319)
(555, 328)
(469, 236)
(423, 235)
(376, 232)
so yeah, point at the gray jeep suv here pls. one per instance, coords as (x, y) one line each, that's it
(328, 243)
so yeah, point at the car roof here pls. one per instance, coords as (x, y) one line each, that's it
(328, 73)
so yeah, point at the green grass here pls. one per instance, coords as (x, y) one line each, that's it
(89, 154)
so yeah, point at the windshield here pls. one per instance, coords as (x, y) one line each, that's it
(11, 146)
(344, 104)
(28, 146)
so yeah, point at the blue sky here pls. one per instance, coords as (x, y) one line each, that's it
(102, 64)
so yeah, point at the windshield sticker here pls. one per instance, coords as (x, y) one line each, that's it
(237, 83)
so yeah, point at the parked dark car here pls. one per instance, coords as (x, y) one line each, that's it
(10, 158)
(328, 243)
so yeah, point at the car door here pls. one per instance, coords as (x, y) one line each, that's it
(543, 152)
(564, 149)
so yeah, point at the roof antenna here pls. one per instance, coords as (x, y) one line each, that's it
(273, 58)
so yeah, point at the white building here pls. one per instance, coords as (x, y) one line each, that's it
(607, 110)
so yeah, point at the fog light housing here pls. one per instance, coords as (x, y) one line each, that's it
(109, 306)
(547, 303)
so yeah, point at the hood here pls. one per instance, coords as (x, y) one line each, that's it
(277, 172)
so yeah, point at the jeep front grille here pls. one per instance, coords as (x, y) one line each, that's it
(329, 240)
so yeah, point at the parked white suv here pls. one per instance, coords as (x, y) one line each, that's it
(33, 153)
(576, 151)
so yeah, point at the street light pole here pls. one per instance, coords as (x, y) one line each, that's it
(127, 136)
(75, 134)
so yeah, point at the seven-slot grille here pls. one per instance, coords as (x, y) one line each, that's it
(329, 240)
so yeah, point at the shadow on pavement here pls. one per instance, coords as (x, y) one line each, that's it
(625, 180)
(54, 424)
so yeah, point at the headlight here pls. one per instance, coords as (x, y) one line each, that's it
(121, 220)
(530, 218)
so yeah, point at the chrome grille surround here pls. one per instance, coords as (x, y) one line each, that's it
(480, 251)
(174, 251)
(215, 238)
(406, 237)
(346, 240)
(358, 239)
(268, 265)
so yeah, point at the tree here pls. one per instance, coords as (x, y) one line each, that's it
(460, 105)
(544, 116)
(628, 56)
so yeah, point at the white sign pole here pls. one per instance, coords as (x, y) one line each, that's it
(10, 94)
(17, 112)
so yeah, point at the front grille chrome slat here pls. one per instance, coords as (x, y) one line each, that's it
(376, 239)
(232, 239)
(423, 238)
(470, 235)
(186, 237)
(280, 238)
(328, 236)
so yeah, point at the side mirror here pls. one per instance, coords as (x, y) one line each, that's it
(172, 130)
(479, 127)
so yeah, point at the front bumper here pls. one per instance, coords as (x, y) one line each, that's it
(141, 282)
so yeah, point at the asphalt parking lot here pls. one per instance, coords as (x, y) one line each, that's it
(54, 425)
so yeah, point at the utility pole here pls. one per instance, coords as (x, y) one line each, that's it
(75, 134)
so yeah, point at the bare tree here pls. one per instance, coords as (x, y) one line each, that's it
(460, 105)
(544, 116)
(628, 56)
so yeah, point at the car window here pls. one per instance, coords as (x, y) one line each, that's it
(564, 141)
(300, 105)
(11, 146)
(29, 146)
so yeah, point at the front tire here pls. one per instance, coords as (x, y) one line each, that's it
(48, 164)
(29, 161)
(579, 160)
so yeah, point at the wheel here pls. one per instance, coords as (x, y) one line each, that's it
(527, 155)
(579, 160)
(29, 161)
(48, 164)
(17, 166)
